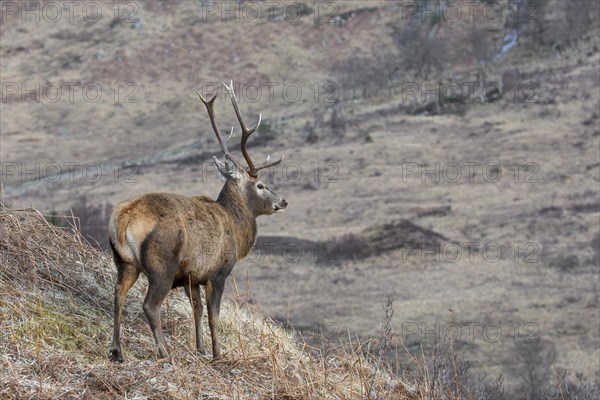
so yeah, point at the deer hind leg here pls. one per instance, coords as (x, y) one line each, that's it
(160, 265)
(158, 289)
(214, 292)
(193, 292)
(127, 274)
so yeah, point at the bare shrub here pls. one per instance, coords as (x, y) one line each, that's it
(559, 25)
(424, 52)
(337, 122)
(357, 74)
(444, 375)
(533, 361)
(575, 388)
(385, 340)
(482, 50)
(93, 221)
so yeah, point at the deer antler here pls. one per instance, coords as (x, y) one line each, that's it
(211, 113)
(252, 169)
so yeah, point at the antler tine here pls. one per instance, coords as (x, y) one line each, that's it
(253, 170)
(211, 113)
(245, 131)
(267, 164)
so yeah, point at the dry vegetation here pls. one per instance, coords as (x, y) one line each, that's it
(55, 313)
(55, 304)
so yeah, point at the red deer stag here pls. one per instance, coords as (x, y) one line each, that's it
(186, 241)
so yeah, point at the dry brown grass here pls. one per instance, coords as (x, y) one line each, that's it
(55, 308)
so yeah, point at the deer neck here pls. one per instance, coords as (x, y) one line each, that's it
(244, 221)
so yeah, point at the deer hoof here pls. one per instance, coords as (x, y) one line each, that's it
(115, 355)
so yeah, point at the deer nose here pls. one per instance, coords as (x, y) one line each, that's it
(284, 203)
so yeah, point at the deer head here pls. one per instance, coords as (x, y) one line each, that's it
(259, 197)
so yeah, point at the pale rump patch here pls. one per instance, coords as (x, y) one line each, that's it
(130, 224)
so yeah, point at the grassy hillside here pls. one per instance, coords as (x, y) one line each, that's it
(55, 318)
(55, 309)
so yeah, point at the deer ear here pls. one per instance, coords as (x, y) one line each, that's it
(229, 168)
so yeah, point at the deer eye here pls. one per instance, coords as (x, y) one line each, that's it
(260, 186)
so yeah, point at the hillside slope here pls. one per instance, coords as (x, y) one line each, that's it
(55, 319)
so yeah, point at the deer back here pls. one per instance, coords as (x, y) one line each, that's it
(200, 235)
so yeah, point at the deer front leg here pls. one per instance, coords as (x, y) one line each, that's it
(214, 291)
(193, 292)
